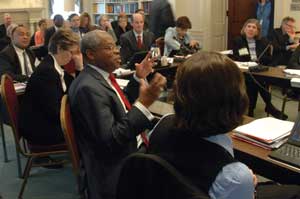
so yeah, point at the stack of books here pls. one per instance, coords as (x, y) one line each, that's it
(268, 133)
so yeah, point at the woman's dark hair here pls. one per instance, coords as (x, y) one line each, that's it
(183, 22)
(210, 96)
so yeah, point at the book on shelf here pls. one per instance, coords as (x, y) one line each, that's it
(266, 132)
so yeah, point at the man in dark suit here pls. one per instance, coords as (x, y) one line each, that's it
(283, 41)
(16, 59)
(4, 39)
(58, 21)
(135, 40)
(105, 124)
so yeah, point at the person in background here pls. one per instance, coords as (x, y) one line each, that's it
(105, 25)
(121, 26)
(58, 23)
(284, 41)
(4, 40)
(146, 22)
(75, 24)
(39, 120)
(39, 35)
(105, 122)
(161, 17)
(135, 40)
(16, 59)
(249, 47)
(85, 23)
(263, 15)
(195, 139)
(178, 37)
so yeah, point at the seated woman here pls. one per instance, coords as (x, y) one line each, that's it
(121, 26)
(177, 38)
(40, 34)
(85, 23)
(210, 100)
(105, 25)
(249, 47)
(39, 120)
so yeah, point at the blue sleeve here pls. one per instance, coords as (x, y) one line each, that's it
(235, 180)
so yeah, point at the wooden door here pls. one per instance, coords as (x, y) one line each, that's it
(238, 12)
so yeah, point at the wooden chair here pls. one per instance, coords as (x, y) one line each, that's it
(67, 127)
(10, 100)
(148, 176)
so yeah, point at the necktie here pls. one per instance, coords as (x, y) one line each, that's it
(26, 69)
(139, 42)
(126, 102)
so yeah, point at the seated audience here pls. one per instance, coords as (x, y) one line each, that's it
(39, 35)
(58, 23)
(105, 25)
(39, 120)
(16, 59)
(85, 23)
(210, 100)
(146, 23)
(283, 41)
(4, 39)
(75, 23)
(105, 122)
(135, 40)
(121, 26)
(177, 38)
(249, 47)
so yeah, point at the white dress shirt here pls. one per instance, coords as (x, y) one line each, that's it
(19, 52)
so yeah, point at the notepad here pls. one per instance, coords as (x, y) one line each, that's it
(267, 130)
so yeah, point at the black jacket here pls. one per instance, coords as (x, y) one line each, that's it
(40, 109)
(10, 63)
(240, 43)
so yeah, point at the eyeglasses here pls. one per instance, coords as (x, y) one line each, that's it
(112, 47)
(290, 26)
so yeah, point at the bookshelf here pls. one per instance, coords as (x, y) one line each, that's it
(112, 8)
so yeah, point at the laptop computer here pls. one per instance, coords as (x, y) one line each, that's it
(136, 58)
(290, 151)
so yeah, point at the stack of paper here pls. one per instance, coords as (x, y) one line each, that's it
(245, 65)
(266, 132)
(20, 87)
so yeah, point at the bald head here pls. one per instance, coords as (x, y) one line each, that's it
(7, 19)
(138, 22)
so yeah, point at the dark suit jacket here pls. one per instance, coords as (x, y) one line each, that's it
(48, 34)
(40, 109)
(10, 63)
(119, 31)
(281, 55)
(128, 44)
(4, 39)
(105, 133)
(294, 62)
(261, 44)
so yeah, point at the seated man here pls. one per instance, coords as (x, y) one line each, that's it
(105, 122)
(177, 38)
(135, 40)
(283, 41)
(16, 59)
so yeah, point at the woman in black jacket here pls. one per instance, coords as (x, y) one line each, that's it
(251, 47)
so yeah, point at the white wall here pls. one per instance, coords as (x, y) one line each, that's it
(282, 9)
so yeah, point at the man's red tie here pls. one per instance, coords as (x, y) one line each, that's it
(139, 42)
(126, 102)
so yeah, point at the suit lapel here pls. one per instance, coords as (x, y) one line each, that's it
(98, 77)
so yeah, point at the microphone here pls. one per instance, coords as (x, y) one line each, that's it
(259, 67)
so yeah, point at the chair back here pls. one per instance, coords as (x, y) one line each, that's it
(149, 176)
(160, 43)
(67, 128)
(10, 99)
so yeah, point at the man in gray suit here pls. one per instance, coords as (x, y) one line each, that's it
(106, 124)
(135, 40)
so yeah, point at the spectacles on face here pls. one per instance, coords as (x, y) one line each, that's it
(290, 26)
(110, 47)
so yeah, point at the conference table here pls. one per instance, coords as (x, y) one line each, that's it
(255, 157)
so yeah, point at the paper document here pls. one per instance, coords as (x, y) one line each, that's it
(292, 71)
(122, 71)
(227, 52)
(266, 129)
(20, 87)
(122, 82)
(245, 65)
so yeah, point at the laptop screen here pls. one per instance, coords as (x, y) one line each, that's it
(295, 133)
